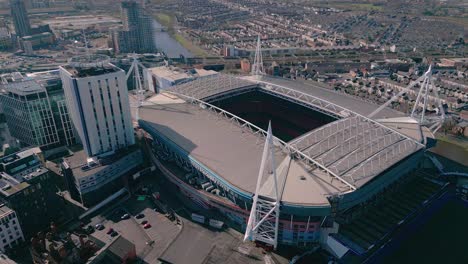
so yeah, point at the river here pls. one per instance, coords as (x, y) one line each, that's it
(168, 45)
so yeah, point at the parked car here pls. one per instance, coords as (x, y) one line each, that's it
(144, 222)
(99, 227)
(113, 234)
(89, 229)
(139, 216)
(125, 216)
(147, 225)
(110, 231)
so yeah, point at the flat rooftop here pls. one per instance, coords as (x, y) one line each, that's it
(170, 73)
(86, 71)
(23, 88)
(78, 162)
(79, 159)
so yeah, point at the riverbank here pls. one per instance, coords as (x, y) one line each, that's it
(168, 21)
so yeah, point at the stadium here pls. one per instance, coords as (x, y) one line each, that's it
(316, 179)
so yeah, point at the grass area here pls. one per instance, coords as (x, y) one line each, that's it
(459, 141)
(452, 147)
(366, 7)
(194, 49)
(168, 21)
(442, 239)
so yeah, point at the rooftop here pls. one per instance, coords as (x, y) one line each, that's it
(23, 88)
(233, 152)
(11, 184)
(170, 73)
(94, 70)
(4, 210)
(230, 151)
(79, 162)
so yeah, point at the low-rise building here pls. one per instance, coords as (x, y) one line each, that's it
(163, 77)
(39, 40)
(58, 248)
(10, 229)
(91, 180)
(117, 251)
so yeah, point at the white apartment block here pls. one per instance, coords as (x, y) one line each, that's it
(97, 98)
(10, 229)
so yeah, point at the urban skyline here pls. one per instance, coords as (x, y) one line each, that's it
(221, 131)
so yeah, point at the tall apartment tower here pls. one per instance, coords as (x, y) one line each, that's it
(98, 102)
(137, 34)
(20, 18)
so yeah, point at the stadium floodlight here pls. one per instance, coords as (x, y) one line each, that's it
(264, 214)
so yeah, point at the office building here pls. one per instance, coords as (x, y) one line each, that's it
(137, 34)
(98, 103)
(90, 182)
(6, 41)
(29, 189)
(20, 18)
(52, 82)
(10, 229)
(35, 109)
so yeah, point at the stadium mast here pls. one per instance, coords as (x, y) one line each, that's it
(257, 67)
(264, 215)
(426, 82)
(139, 87)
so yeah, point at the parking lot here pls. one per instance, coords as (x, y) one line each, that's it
(149, 242)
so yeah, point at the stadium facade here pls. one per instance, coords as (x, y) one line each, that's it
(207, 137)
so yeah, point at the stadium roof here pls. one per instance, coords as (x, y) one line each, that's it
(354, 149)
(228, 150)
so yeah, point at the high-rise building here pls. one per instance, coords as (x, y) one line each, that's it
(137, 33)
(20, 18)
(35, 109)
(97, 98)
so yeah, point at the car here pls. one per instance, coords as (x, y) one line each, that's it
(139, 216)
(89, 229)
(113, 234)
(147, 225)
(99, 226)
(110, 231)
(144, 222)
(125, 216)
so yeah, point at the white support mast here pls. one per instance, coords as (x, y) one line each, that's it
(264, 215)
(257, 67)
(420, 106)
(140, 92)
